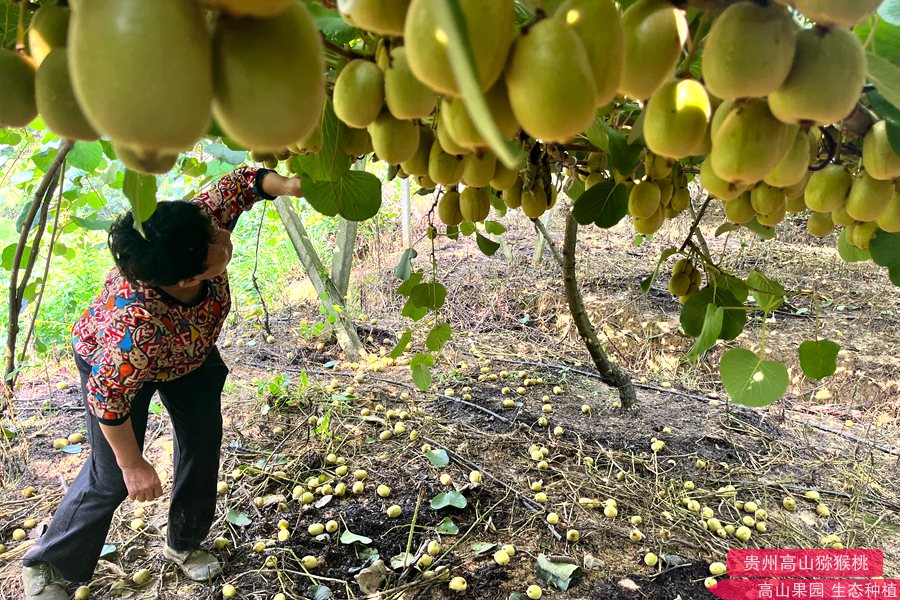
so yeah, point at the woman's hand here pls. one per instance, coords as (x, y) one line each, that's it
(142, 481)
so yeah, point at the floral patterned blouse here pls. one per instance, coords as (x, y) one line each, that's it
(133, 333)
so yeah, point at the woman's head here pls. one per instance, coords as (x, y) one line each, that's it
(182, 246)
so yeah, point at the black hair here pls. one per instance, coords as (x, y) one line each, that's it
(177, 241)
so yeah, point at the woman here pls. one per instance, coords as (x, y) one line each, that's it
(153, 328)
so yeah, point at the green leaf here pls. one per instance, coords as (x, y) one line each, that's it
(86, 156)
(517, 596)
(229, 153)
(412, 281)
(23, 214)
(420, 365)
(890, 11)
(849, 252)
(191, 167)
(487, 246)
(438, 336)
(623, 157)
(647, 283)
(8, 434)
(467, 228)
(894, 275)
(886, 77)
(354, 195)
(556, 572)
(44, 159)
(693, 313)
(483, 547)
(885, 248)
(429, 295)
(438, 458)
(330, 23)
(413, 311)
(732, 284)
(141, 193)
(762, 231)
(9, 254)
(884, 108)
(452, 498)
(319, 592)
(450, 18)
(494, 228)
(402, 344)
(818, 358)
(769, 294)
(329, 163)
(447, 527)
(726, 228)
(499, 206)
(239, 519)
(92, 224)
(403, 270)
(573, 188)
(886, 39)
(751, 381)
(605, 204)
(893, 135)
(712, 328)
(9, 137)
(348, 537)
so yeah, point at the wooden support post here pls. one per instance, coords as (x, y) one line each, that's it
(406, 212)
(343, 257)
(539, 246)
(318, 275)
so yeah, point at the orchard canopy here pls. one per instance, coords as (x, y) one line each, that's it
(644, 110)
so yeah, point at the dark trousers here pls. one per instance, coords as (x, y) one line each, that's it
(75, 538)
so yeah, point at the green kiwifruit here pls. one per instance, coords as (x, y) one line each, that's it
(143, 72)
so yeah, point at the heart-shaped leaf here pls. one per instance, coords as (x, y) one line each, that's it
(818, 359)
(445, 499)
(483, 547)
(438, 336)
(319, 592)
(556, 571)
(768, 293)
(750, 380)
(348, 537)
(239, 519)
(447, 527)
(487, 246)
(438, 458)
(693, 313)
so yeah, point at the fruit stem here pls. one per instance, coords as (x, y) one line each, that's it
(20, 29)
(702, 26)
(697, 216)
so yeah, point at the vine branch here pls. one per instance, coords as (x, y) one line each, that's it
(42, 195)
(40, 294)
(262, 300)
(610, 373)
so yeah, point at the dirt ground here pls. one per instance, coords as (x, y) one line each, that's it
(288, 408)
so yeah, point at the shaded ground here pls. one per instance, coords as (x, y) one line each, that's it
(280, 432)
